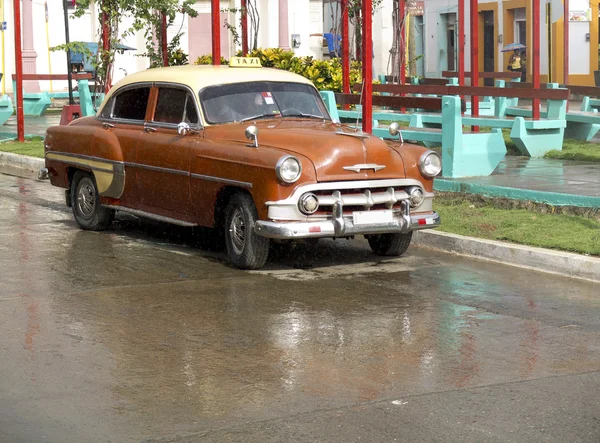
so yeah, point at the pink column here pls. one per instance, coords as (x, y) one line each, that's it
(29, 54)
(284, 36)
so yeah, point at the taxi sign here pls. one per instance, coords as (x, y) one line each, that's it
(244, 62)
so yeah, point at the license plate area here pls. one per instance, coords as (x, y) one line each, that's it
(372, 217)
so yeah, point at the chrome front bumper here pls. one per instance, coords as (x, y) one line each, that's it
(343, 226)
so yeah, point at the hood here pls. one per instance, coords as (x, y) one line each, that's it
(337, 152)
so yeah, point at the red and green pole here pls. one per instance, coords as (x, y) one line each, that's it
(367, 66)
(216, 31)
(19, 72)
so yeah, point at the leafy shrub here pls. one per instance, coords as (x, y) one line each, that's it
(326, 75)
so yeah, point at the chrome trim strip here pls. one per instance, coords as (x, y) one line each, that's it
(82, 157)
(156, 217)
(222, 180)
(152, 168)
(86, 157)
(159, 169)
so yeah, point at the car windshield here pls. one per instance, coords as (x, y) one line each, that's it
(253, 100)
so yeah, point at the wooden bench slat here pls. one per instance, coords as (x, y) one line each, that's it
(481, 91)
(494, 75)
(28, 77)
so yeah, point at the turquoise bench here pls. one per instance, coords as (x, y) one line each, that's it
(38, 103)
(34, 103)
(464, 154)
(532, 137)
(6, 108)
(580, 125)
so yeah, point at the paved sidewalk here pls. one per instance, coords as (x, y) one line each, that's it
(556, 182)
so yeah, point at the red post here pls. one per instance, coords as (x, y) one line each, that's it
(566, 34)
(216, 31)
(367, 66)
(163, 39)
(461, 42)
(474, 58)
(19, 72)
(402, 42)
(106, 48)
(345, 49)
(535, 70)
(244, 28)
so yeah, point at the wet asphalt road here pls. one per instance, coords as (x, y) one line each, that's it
(144, 333)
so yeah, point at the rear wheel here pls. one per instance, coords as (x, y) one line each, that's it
(245, 248)
(85, 202)
(389, 244)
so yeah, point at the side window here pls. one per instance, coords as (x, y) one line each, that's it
(107, 110)
(131, 104)
(175, 106)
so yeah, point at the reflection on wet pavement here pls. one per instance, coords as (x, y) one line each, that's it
(139, 335)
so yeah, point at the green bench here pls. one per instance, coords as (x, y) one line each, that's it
(532, 137)
(464, 154)
(6, 108)
(580, 125)
(38, 103)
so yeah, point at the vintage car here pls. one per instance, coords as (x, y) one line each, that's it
(249, 151)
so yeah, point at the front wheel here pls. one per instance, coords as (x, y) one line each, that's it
(85, 201)
(245, 248)
(389, 244)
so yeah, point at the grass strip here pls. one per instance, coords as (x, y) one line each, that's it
(553, 231)
(32, 147)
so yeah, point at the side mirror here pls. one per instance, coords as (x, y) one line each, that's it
(394, 130)
(252, 134)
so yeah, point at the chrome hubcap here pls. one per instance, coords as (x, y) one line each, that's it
(86, 198)
(237, 231)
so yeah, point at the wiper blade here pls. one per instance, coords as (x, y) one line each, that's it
(301, 114)
(256, 117)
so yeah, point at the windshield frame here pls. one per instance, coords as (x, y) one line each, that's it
(318, 99)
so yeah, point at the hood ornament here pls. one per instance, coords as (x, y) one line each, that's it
(360, 167)
(360, 135)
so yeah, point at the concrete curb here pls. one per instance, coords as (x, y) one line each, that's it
(545, 260)
(29, 164)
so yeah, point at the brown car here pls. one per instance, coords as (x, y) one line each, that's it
(247, 150)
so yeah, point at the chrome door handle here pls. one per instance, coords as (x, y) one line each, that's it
(149, 129)
(108, 125)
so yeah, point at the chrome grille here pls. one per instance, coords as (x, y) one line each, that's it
(364, 199)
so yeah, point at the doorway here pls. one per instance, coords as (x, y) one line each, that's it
(489, 59)
(450, 20)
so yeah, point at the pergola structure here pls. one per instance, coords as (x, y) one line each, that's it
(367, 48)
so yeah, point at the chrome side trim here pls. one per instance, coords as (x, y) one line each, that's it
(160, 218)
(119, 167)
(222, 180)
(158, 169)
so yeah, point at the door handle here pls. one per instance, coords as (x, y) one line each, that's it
(108, 125)
(149, 129)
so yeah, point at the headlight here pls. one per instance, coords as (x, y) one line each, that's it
(308, 203)
(288, 169)
(430, 164)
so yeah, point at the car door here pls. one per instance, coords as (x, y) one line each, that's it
(163, 156)
(124, 116)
